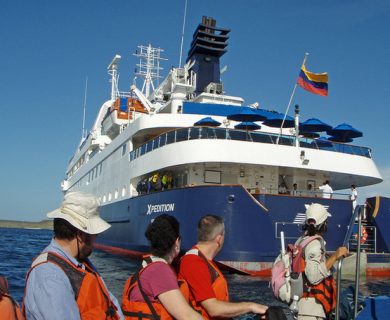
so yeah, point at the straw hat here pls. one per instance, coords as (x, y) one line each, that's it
(317, 212)
(81, 210)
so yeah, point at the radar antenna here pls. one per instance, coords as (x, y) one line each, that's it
(113, 72)
(149, 66)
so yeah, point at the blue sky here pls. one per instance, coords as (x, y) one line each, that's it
(48, 48)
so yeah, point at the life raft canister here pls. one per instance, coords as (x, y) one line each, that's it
(91, 295)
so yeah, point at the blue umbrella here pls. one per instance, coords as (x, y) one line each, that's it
(247, 114)
(314, 125)
(247, 125)
(344, 132)
(276, 120)
(207, 122)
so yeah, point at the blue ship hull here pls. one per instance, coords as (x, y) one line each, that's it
(253, 223)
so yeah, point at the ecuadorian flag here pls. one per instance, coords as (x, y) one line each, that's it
(316, 83)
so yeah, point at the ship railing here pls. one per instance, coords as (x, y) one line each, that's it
(299, 193)
(369, 245)
(193, 133)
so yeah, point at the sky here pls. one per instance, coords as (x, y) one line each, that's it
(49, 47)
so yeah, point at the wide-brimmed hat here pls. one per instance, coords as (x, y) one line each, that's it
(81, 210)
(317, 212)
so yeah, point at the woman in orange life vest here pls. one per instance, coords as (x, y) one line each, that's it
(319, 292)
(153, 291)
(9, 309)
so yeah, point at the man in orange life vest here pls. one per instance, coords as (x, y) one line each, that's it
(62, 283)
(208, 287)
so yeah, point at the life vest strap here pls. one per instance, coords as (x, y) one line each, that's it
(139, 315)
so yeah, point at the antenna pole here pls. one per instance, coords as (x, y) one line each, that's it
(84, 133)
(289, 103)
(182, 33)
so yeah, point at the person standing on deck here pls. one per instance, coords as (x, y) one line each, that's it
(207, 285)
(327, 191)
(62, 283)
(353, 197)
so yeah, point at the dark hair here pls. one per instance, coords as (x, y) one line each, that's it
(64, 230)
(209, 227)
(312, 230)
(162, 233)
(353, 186)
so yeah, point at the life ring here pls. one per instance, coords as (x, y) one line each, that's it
(363, 239)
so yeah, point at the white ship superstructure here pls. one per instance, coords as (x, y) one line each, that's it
(152, 131)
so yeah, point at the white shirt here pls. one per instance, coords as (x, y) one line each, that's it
(326, 191)
(353, 194)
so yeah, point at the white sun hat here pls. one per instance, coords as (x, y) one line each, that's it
(81, 210)
(317, 212)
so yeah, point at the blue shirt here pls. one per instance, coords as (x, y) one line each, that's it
(49, 294)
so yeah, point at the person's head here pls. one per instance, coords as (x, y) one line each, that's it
(3, 286)
(163, 234)
(353, 186)
(295, 186)
(309, 187)
(211, 228)
(78, 220)
(316, 219)
(326, 182)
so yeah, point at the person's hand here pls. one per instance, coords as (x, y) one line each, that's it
(259, 308)
(341, 252)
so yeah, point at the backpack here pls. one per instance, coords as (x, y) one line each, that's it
(287, 281)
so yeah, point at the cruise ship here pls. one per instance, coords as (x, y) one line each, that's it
(185, 147)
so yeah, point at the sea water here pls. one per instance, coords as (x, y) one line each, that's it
(20, 246)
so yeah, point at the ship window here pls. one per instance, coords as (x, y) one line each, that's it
(101, 166)
(89, 177)
(211, 176)
(181, 135)
(123, 191)
(109, 196)
(116, 194)
(171, 137)
(96, 172)
(104, 199)
(123, 149)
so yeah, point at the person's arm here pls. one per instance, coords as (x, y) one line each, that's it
(217, 308)
(49, 294)
(340, 252)
(177, 306)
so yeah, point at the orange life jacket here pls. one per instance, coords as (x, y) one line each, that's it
(324, 292)
(91, 295)
(146, 309)
(9, 309)
(219, 283)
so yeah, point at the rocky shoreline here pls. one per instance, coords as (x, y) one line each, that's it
(44, 224)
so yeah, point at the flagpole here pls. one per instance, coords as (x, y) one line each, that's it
(289, 103)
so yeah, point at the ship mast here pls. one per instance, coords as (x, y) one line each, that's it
(149, 66)
(113, 72)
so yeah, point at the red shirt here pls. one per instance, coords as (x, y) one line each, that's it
(197, 274)
(157, 278)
